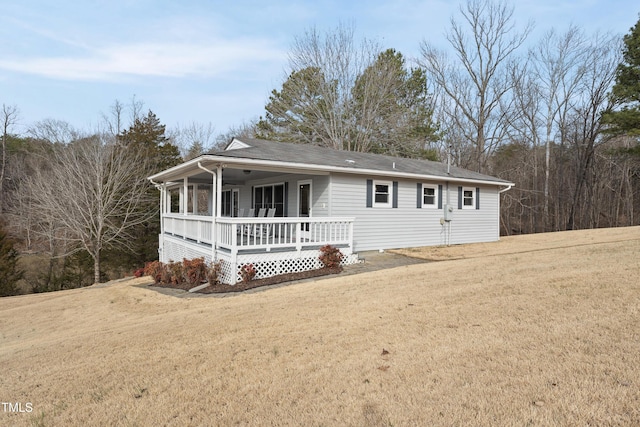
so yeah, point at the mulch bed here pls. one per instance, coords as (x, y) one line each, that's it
(243, 286)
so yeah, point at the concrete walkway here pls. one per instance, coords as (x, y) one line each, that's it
(375, 260)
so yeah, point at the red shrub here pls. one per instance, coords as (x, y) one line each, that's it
(194, 271)
(213, 272)
(155, 269)
(248, 272)
(330, 256)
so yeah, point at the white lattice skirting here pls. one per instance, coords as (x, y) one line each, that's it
(273, 264)
(267, 264)
(176, 249)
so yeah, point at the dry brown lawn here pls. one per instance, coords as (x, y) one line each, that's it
(539, 330)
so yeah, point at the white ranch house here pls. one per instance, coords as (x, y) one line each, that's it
(275, 204)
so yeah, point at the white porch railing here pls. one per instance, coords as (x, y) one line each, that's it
(236, 234)
(289, 232)
(193, 227)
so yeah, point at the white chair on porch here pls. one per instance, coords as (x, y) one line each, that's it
(268, 230)
(259, 229)
(246, 228)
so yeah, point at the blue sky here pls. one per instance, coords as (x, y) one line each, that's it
(212, 61)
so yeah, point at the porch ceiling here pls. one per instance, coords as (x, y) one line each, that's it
(239, 175)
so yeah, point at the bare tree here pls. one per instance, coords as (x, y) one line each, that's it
(248, 129)
(474, 85)
(113, 122)
(558, 66)
(193, 139)
(90, 196)
(54, 131)
(9, 119)
(601, 60)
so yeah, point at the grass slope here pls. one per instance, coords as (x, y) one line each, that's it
(532, 330)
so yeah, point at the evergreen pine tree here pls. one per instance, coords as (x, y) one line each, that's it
(9, 271)
(626, 91)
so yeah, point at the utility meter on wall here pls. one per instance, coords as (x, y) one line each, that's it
(448, 212)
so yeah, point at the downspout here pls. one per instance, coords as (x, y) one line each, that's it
(214, 246)
(507, 188)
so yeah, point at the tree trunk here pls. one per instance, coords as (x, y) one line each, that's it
(96, 268)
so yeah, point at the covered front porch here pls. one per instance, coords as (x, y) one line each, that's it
(276, 220)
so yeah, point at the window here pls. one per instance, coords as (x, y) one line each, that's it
(429, 196)
(269, 196)
(174, 201)
(202, 196)
(468, 196)
(230, 201)
(382, 194)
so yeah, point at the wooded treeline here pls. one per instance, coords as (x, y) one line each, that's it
(559, 117)
(537, 113)
(78, 204)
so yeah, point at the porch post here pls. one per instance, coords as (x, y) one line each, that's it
(185, 196)
(214, 226)
(219, 192)
(163, 204)
(298, 237)
(234, 251)
(217, 209)
(351, 236)
(195, 199)
(214, 231)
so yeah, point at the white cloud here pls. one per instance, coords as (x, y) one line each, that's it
(116, 62)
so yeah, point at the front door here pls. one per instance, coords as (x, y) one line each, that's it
(304, 204)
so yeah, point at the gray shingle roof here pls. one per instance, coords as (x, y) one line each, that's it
(349, 160)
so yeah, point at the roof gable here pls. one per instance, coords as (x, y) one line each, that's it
(236, 144)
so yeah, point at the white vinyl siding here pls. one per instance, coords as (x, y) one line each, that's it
(407, 226)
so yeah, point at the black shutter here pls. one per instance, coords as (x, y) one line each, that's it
(419, 196)
(477, 197)
(253, 201)
(369, 193)
(459, 197)
(395, 194)
(440, 196)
